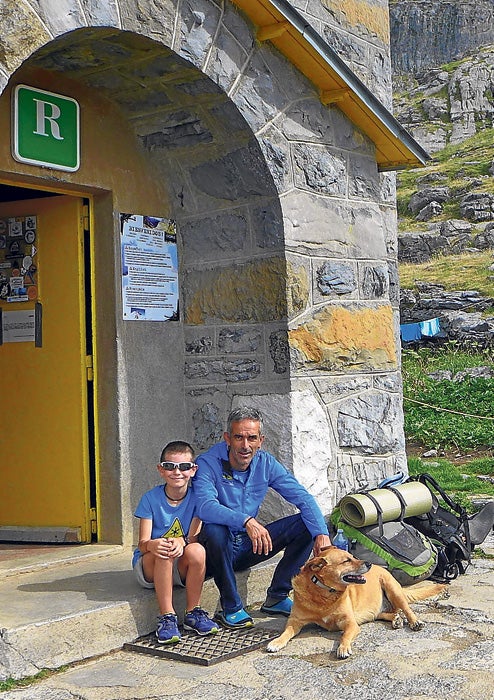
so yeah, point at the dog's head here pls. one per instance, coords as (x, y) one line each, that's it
(336, 569)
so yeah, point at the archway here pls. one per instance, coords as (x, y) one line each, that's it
(161, 139)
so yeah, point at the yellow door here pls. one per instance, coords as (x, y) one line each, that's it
(44, 464)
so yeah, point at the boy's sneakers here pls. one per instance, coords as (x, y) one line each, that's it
(199, 621)
(236, 620)
(167, 630)
(282, 607)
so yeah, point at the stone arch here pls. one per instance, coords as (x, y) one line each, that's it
(206, 169)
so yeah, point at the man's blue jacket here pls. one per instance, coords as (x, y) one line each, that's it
(224, 498)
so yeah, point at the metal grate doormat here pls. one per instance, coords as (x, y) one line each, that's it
(207, 650)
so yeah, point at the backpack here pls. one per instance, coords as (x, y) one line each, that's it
(436, 544)
(397, 546)
(448, 527)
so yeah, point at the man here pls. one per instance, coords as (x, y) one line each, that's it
(231, 482)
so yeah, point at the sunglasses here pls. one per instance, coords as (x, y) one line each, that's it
(171, 466)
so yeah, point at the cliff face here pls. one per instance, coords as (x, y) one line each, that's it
(430, 33)
(441, 106)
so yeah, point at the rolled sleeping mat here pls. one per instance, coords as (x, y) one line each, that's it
(361, 509)
(417, 498)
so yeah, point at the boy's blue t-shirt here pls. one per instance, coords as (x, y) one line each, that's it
(167, 520)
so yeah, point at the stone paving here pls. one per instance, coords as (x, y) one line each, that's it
(452, 657)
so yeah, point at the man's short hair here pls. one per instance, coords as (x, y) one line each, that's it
(177, 446)
(244, 413)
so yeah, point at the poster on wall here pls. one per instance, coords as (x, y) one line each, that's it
(149, 268)
(18, 259)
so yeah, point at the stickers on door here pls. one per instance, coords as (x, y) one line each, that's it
(18, 267)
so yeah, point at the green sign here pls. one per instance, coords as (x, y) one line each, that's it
(46, 129)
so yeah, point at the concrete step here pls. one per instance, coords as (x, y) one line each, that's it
(57, 607)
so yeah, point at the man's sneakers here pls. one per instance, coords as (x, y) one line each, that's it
(167, 630)
(197, 620)
(282, 607)
(236, 620)
(240, 619)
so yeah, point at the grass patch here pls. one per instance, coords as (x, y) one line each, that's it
(459, 481)
(12, 683)
(463, 167)
(471, 400)
(453, 272)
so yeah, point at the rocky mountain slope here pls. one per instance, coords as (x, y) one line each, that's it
(450, 112)
(450, 103)
(443, 75)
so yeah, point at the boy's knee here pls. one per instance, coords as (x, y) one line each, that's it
(195, 553)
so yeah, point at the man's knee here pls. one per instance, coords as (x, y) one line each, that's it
(291, 527)
(213, 535)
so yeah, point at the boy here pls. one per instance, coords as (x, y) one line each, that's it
(168, 553)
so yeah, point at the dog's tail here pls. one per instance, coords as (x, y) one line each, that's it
(423, 590)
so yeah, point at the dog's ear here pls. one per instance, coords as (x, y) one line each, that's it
(330, 546)
(314, 564)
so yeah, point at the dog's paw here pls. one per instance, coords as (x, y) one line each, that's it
(397, 622)
(343, 652)
(274, 646)
(417, 626)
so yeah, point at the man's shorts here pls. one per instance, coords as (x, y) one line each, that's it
(139, 574)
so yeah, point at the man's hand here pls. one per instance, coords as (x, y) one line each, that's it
(320, 541)
(260, 537)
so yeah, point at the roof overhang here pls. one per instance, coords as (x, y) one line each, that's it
(278, 22)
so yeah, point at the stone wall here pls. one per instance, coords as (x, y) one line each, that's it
(289, 293)
(358, 30)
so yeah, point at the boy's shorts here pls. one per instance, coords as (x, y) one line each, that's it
(139, 574)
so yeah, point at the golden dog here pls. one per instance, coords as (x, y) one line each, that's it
(338, 592)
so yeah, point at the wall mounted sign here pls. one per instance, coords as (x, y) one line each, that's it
(46, 129)
(149, 268)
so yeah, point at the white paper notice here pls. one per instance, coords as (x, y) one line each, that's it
(149, 268)
(18, 326)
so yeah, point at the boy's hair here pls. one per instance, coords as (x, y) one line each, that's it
(177, 446)
(243, 413)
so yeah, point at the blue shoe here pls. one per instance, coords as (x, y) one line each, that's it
(198, 620)
(282, 607)
(167, 631)
(236, 620)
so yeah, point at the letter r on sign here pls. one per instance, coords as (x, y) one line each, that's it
(47, 114)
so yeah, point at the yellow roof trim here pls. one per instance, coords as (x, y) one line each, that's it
(278, 22)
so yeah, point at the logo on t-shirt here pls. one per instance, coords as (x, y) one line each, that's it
(175, 530)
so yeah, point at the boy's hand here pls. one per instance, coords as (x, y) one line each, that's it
(175, 546)
(166, 547)
(158, 547)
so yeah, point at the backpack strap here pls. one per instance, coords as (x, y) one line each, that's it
(379, 511)
(429, 481)
(403, 503)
